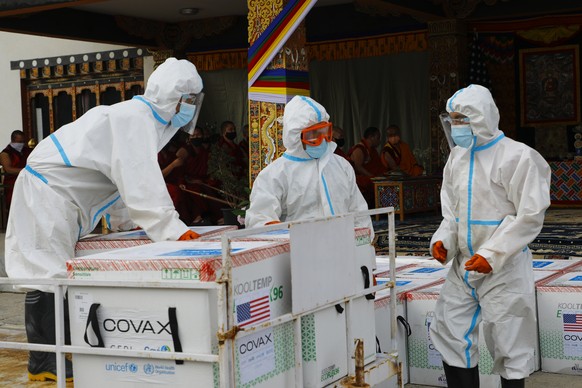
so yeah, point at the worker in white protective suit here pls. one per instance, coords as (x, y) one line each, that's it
(102, 164)
(308, 180)
(494, 196)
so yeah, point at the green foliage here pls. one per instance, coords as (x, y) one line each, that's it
(222, 168)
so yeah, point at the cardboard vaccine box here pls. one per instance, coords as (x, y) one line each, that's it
(106, 242)
(560, 323)
(138, 318)
(383, 266)
(554, 265)
(383, 321)
(424, 272)
(425, 363)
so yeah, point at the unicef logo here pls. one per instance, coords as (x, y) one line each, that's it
(148, 369)
(133, 368)
(165, 348)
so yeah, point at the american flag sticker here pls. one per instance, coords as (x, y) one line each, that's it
(572, 322)
(253, 308)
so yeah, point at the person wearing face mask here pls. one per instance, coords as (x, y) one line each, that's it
(397, 156)
(308, 180)
(227, 144)
(85, 170)
(494, 195)
(338, 138)
(201, 211)
(13, 159)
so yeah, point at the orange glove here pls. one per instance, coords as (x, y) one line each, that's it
(272, 223)
(478, 263)
(439, 252)
(189, 235)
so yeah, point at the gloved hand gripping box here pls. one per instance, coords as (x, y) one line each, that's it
(107, 242)
(139, 319)
(560, 323)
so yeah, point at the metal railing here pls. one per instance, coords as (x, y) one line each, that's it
(227, 329)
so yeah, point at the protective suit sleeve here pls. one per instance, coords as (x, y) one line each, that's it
(448, 229)
(137, 175)
(265, 200)
(528, 188)
(117, 217)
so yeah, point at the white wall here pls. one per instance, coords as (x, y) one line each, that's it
(20, 46)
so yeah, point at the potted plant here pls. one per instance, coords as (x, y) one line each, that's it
(230, 186)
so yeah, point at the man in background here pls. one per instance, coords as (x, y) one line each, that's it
(13, 160)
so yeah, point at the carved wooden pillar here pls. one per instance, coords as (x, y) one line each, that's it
(160, 56)
(285, 76)
(447, 42)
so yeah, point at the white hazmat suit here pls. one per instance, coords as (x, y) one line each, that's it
(296, 186)
(494, 197)
(92, 165)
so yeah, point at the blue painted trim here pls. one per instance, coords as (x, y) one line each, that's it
(485, 222)
(156, 115)
(36, 174)
(470, 201)
(96, 216)
(469, 342)
(490, 144)
(295, 158)
(327, 195)
(307, 100)
(61, 150)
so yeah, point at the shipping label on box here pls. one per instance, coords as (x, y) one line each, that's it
(560, 324)
(266, 358)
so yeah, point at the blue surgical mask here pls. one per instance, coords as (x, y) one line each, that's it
(316, 152)
(184, 116)
(462, 135)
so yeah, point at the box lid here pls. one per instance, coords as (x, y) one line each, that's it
(205, 256)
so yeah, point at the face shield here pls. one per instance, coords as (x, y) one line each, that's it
(446, 126)
(315, 134)
(460, 130)
(195, 101)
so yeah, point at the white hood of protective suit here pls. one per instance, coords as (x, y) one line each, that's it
(165, 87)
(300, 113)
(476, 102)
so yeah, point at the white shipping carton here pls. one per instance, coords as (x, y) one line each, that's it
(555, 265)
(106, 242)
(424, 272)
(383, 320)
(425, 363)
(560, 323)
(260, 277)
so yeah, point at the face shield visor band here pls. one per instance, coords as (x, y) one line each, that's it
(196, 100)
(315, 134)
